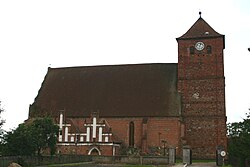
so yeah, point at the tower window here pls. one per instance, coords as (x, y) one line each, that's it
(209, 49)
(191, 50)
(131, 134)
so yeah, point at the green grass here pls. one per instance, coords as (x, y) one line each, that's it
(197, 160)
(86, 163)
(70, 164)
(142, 165)
(75, 164)
(202, 160)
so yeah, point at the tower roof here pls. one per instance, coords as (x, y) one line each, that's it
(200, 29)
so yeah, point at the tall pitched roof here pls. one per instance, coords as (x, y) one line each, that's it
(140, 90)
(200, 29)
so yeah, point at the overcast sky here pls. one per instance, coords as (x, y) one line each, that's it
(37, 34)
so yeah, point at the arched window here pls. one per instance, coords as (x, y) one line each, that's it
(209, 49)
(191, 50)
(131, 134)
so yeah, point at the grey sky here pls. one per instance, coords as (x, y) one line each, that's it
(38, 34)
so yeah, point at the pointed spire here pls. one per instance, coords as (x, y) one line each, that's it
(200, 29)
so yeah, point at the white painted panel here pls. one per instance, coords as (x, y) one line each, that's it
(66, 134)
(88, 134)
(100, 134)
(94, 127)
(81, 139)
(72, 139)
(60, 138)
(106, 139)
(61, 121)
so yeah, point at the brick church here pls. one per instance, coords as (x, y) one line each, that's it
(106, 110)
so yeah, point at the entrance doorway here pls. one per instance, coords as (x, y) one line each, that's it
(94, 151)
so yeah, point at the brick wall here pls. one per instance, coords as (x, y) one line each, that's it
(148, 133)
(83, 149)
(158, 129)
(201, 84)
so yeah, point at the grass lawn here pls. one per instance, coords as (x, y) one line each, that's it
(85, 164)
(141, 165)
(70, 164)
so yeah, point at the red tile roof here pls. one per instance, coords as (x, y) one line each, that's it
(200, 29)
(140, 90)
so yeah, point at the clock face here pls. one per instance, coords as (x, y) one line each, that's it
(199, 46)
(223, 153)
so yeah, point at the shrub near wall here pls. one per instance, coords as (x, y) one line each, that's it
(239, 162)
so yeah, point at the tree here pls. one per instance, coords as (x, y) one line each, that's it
(1, 130)
(18, 141)
(1, 120)
(31, 138)
(44, 133)
(239, 138)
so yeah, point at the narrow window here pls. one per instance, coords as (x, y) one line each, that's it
(209, 49)
(191, 50)
(131, 134)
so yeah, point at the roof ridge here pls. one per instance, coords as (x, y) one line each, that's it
(110, 65)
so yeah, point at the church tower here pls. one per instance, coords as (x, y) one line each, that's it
(201, 83)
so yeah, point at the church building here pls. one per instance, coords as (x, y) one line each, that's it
(112, 109)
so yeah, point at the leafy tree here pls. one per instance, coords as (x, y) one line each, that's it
(44, 133)
(1, 130)
(31, 138)
(18, 141)
(239, 138)
(1, 120)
